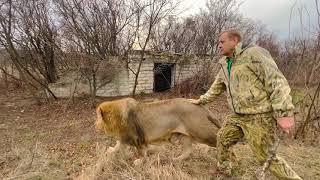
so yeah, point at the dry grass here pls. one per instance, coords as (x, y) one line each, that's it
(304, 160)
(157, 166)
(30, 163)
(58, 141)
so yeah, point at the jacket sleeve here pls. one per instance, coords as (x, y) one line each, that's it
(274, 81)
(216, 89)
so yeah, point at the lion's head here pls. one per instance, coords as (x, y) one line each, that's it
(117, 118)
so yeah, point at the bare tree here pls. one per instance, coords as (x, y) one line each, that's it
(38, 36)
(174, 36)
(217, 16)
(92, 28)
(151, 12)
(302, 48)
(268, 40)
(199, 34)
(7, 22)
(10, 39)
(303, 61)
(315, 50)
(312, 113)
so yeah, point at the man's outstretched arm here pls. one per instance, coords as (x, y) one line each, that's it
(216, 89)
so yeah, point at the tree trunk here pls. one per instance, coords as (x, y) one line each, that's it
(137, 74)
(50, 66)
(301, 129)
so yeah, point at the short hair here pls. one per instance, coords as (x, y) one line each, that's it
(232, 33)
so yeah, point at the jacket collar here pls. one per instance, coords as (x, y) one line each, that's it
(239, 49)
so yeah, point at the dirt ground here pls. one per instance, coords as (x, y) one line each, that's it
(57, 140)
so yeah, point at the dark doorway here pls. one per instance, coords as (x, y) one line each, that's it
(162, 76)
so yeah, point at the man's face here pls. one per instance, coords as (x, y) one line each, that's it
(227, 44)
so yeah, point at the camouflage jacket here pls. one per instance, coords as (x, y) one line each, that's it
(255, 85)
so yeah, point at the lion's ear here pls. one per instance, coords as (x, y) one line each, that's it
(99, 112)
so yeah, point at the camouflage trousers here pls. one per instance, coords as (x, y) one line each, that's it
(259, 132)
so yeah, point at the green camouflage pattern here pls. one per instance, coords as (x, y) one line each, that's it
(259, 133)
(255, 85)
(258, 93)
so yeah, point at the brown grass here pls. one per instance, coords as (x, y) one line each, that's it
(57, 140)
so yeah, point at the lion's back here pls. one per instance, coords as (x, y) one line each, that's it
(198, 121)
(176, 107)
(195, 118)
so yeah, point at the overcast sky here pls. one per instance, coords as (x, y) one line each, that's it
(274, 13)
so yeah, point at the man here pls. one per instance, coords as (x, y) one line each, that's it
(258, 94)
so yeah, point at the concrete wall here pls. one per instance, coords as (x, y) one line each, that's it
(185, 71)
(123, 80)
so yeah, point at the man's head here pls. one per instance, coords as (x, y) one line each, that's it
(227, 42)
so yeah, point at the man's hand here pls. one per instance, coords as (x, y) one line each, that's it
(286, 124)
(195, 101)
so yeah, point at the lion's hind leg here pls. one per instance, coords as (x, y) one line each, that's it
(117, 148)
(152, 149)
(142, 155)
(186, 142)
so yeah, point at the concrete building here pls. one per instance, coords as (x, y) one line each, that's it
(159, 71)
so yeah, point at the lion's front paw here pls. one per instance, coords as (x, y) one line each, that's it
(110, 150)
(182, 157)
(138, 162)
(178, 159)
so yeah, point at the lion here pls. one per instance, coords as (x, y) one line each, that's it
(140, 124)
